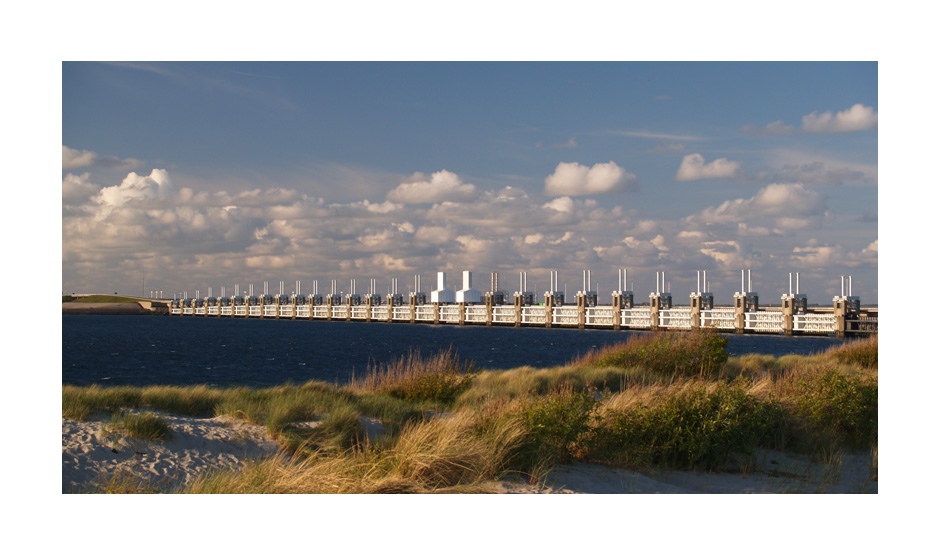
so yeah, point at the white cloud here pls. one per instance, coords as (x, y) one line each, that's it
(571, 178)
(157, 185)
(443, 186)
(693, 167)
(856, 118)
(74, 158)
(787, 206)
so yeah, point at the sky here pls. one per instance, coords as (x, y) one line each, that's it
(181, 176)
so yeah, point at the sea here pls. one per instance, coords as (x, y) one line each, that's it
(146, 350)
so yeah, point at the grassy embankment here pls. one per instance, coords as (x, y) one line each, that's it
(673, 401)
(98, 299)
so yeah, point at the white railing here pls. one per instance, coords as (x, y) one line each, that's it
(200, 311)
(303, 311)
(270, 310)
(226, 310)
(401, 312)
(449, 313)
(599, 316)
(533, 315)
(424, 313)
(241, 310)
(814, 323)
(721, 318)
(637, 317)
(176, 311)
(475, 313)
(504, 314)
(212, 310)
(679, 318)
(286, 311)
(339, 311)
(254, 310)
(565, 316)
(359, 312)
(380, 312)
(321, 311)
(763, 321)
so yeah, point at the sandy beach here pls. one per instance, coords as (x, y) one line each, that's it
(90, 450)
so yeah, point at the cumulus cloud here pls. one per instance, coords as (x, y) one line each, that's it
(157, 185)
(442, 186)
(693, 167)
(188, 238)
(74, 158)
(571, 178)
(786, 206)
(857, 118)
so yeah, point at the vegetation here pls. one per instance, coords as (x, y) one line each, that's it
(667, 401)
(145, 426)
(98, 299)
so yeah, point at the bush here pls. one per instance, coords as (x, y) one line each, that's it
(700, 353)
(555, 423)
(836, 403)
(696, 428)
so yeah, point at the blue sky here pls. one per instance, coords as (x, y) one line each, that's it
(212, 174)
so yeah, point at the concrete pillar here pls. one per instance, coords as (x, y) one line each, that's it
(654, 312)
(489, 308)
(518, 300)
(391, 308)
(349, 307)
(437, 312)
(549, 308)
(368, 308)
(413, 304)
(329, 308)
(740, 307)
(461, 317)
(617, 304)
(582, 309)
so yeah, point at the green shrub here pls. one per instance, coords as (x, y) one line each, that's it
(691, 354)
(841, 404)
(555, 423)
(693, 429)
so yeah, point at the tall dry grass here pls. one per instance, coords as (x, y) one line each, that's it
(438, 379)
(459, 453)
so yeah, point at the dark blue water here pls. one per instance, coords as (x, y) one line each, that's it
(141, 350)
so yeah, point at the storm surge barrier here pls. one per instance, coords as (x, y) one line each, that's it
(793, 316)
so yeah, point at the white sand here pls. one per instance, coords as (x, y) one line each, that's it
(90, 450)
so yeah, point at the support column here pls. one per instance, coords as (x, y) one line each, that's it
(489, 308)
(582, 310)
(654, 312)
(437, 312)
(517, 302)
(461, 317)
(616, 304)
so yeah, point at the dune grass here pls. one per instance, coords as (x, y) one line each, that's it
(144, 425)
(668, 401)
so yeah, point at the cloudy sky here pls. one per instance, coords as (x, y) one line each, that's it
(187, 176)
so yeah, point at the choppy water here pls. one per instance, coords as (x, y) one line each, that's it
(140, 350)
